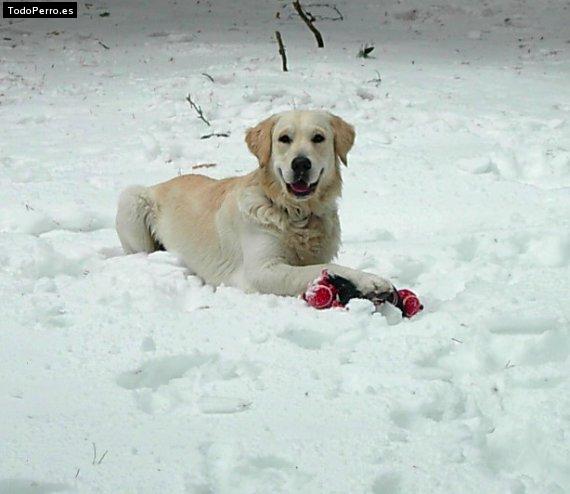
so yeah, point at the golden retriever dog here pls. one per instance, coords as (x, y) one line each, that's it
(273, 230)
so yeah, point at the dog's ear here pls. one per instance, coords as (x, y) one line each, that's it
(343, 137)
(258, 140)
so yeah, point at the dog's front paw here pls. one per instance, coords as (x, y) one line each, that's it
(376, 288)
(363, 285)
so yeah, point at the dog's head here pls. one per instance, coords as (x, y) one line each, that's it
(301, 150)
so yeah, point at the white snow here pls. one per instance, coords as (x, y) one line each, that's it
(458, 188)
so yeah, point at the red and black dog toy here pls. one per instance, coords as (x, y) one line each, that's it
(330, 290)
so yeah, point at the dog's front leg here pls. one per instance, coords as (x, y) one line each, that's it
(283, 279)
(266, 270)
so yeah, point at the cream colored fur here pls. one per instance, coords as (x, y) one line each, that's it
(250, 231)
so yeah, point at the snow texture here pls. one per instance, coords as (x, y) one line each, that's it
(126, 374)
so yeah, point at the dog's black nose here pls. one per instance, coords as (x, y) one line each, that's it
(301, 164)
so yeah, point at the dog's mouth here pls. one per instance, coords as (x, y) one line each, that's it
(301, 188)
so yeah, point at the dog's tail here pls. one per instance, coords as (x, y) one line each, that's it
(136, 220)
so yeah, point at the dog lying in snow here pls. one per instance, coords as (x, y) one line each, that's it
(271, 231)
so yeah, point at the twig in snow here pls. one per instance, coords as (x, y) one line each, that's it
(103, 45)
(281, 50)
(198, 110)
(208, 76)
(330, 6)
(456, 340)
(102, 456)
(95, 460)
(320, 15)
(309, 23)
(215, 134)
(365, 51)
(378, 79)
(77, 473)
(204, 165)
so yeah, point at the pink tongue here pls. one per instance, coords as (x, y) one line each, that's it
(300, 186)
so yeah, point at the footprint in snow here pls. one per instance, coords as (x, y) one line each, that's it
(387, 483)
(163, 384)
(306, 338)
(222, 404)
(21, 486)
(442, 404)
(227, 468)
(516, 324)
(160, 372)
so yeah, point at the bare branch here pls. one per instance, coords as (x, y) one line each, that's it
(331, 6)
(281, 50)
(198, 110)
(378, 80)
(321, 12)
(309, 23)
(208, 76)
(203, 165)
(95, 460)
(102, 456)
(365, 51)
(215, 134)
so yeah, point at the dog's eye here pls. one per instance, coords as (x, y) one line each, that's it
(318, 138)
(285, 139)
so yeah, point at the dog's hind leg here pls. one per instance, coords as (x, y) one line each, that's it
(136, 220)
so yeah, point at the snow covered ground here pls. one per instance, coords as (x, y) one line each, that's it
(124, 374)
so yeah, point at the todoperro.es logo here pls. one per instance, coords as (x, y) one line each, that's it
(47, 10)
